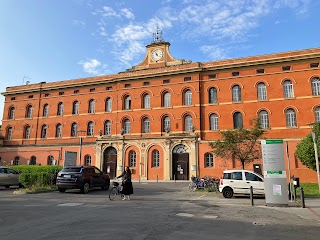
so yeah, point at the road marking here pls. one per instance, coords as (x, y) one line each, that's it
(69, 204)
(199, 197)
(185, 214)
(210, 216)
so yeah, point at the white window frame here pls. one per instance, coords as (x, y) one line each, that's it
(126, 126)
(262, 91)
(213, 95)
(59, 131)
(315, 86)
(44, 129)
(75, 108)
(291, 118)
(155, 158)
(264, 119)
(90, 131)
(107, 128)
(74, 129)
(132, 158)
(166, 124)
(317, 114)
(209, 160)
(108, 105)
(146, 101)
(27, 132)
(236, 93)
(146, 125)
(188, 97)
(188, 123)
(92, 104)
(288, 89)
(167, 99)
(214, 122)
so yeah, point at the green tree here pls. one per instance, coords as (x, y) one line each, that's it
(305, 149)
(241, 144)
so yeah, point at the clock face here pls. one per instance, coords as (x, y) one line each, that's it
(156, 55)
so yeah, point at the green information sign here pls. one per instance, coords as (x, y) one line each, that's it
(274, 141)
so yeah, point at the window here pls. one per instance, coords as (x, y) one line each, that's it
(236, 93)
(92, 90)
(29, 111)
(260, 71)
(16, 161)
(252, 177)
(315, 86)
(91, 106)
(264, 119)
(188, 123)
(155, 158)
(186, 79)
(236, 175)
(33, 160)
(288, 89)
(9, 133)
(58, 130)
(27, 131)
(146, 101)
(74, 129)
(166, 81)
(13, 98)
(188, 97)
(11, 112)
(45, 110)
(87, 160)
(44, 131)
(60, 109)
(30, 96)
(314, 65)
(291, 118)
(262, 91)
(108, 105)
(75, 108)
(146, 125)
(127, 103)
(90, 129)
(146, 83)
(61, 93)
(126, 126)
(47, 95)
(166, 124)
(76, 91)
(208, 160)
(317, 114)
(213, 95)
(50, 160)
(212, 76)
(235, 74)
(108, 88)
(127, 85)
(286, 68)
(166, 99)
(107, 128)
(213, 121)
(237, 120)
(132, 158)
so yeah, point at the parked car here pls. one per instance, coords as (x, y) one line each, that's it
(239, 182)
(82, 177)
(9, 177)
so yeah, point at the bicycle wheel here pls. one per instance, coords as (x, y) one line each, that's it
(113, 193)
(192, 186)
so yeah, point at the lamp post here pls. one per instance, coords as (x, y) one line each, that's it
(80, 143)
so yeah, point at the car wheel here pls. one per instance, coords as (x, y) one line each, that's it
(227, 192)
(7, 186)
(61, 189)
(85, 188)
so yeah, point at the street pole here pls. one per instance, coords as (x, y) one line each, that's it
(314, 138)
(80, 150)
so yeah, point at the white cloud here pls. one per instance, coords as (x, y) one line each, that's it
(130, 52)
(79, 22)
(214, 52)
(109, 12)
(127, 13)
(91, 66)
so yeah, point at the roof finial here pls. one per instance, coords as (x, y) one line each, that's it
(157, 34)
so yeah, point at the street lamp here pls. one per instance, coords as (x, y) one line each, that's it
(80, 143)
(315, 138)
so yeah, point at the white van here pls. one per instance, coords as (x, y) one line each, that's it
(239, 182)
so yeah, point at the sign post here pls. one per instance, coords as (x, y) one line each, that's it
(275, 180)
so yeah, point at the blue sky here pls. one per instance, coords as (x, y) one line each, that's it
(55, 40)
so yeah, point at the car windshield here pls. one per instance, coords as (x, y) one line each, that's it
(71, 169)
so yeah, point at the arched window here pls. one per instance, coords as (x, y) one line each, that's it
(146, 125)
(27, 131)
(44, 131)
(146, 101)
(127, 103)
(315, 86)
(74, 129)
(213, 95)
(188, 123)
(208, 160)
(291, 118)
(166, 99)
(60, 109)
(29, 111)
(33, 160)
(155, 158)
(188, 97)
(262, 91)
(108, 105)
(16, 161)
(58, 130)
(90, 129)
(87, 160)
(237, 120)
(288, 89)
(264, 119)
(91, 106)
(9, 133)
(132, 158)
(45, 110)
(107, 128)
(166, 124)
(236, 93)
(213, 121)
(126, 126)
(50, 160)
(75, 108)
(317, 114)
(11, 113)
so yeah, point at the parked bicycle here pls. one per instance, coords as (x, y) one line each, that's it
(115, 190)
(207, 183)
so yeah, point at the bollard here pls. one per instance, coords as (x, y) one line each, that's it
(251, 195)
(303, 205)
(157, 178)
(174, 178)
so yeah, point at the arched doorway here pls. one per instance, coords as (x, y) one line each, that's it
(110, 162)
(180, 163)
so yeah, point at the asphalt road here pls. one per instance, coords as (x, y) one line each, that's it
(156, 211)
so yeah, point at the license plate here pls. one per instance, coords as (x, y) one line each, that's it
(67, 176)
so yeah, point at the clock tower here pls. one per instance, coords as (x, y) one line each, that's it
(158, 54)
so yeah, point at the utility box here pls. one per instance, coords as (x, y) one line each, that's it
(296, 182)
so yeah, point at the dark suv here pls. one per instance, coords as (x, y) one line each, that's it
(82, 177)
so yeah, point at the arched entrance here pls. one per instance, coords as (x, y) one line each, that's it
(110, 162)
(180, 163)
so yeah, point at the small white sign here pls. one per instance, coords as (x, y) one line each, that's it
(276, 190)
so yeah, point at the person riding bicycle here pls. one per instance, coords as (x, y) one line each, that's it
(127, 188)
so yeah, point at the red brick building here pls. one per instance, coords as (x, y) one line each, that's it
(159, 116)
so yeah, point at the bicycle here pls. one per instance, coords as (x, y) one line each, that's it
(115, 190)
